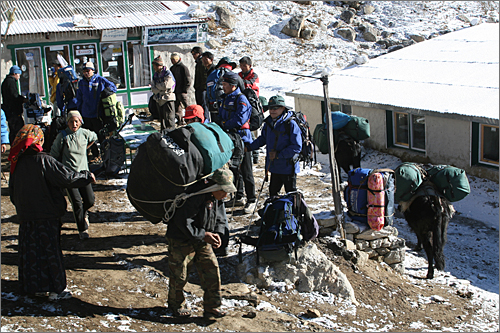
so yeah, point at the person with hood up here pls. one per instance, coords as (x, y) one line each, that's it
(70, 147)
(283, 140)
(35, 184)
(163, 87)
(182, 84)
(12, 101)
(88, 96)
(234, 112)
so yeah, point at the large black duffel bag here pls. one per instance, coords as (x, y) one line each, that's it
(166, 165)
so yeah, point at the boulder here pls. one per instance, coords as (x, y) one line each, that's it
(362, 258)
(417, 38)
(308, 3)
(307, 33)
(362, 59)
(213, 44)
(227, 19)
(313, 313)
(327, 223)
(362, 244)
(293, 27)
(396, 242)
(347, 33)
(395, 256)
(399, 267)
(463, 18)
(347, 16)
(371, 253)
(395, 48)
(367, 9)
(382, 250)
(370, 234)
(351, 228)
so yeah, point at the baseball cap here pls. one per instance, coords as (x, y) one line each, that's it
(224, 178)
(89, 65)
(193, 111)
(15, 70)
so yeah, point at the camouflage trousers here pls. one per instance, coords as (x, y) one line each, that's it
(181, 253)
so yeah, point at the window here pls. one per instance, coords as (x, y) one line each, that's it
(138, 64)
(489, 144)
(84, 53)
(409, 130)
(51, 53)
(113, 64)
(31, 66)
(334, 107)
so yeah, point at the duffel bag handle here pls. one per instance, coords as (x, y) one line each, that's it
(217, 137)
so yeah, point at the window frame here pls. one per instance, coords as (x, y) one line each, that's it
(124, 63)
(40, 79)
(148, 51)
(394, 129)
(481, 158)
(97, 63)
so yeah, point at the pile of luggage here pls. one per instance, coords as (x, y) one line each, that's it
(172, 163)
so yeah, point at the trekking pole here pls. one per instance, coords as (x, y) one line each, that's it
(235, 195)
(258, 195)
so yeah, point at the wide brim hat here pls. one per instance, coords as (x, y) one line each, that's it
(277, 101)
(224, 178)
(224, 61)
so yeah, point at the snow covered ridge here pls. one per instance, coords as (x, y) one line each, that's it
(258, 25)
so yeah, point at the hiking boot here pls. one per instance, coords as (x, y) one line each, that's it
(255, 159)
(84, 235)
(250, 207)
(214, 313)
(239, 202)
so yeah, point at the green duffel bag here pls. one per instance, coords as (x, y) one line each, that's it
(215, 146)
(408, 178)
(451, 181)
(320, 137)
(357, 128)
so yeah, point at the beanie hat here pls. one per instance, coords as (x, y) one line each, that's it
(89, 65)
(231, 78)
(193, 111)
(76, 114)
(225, 60)
(224, 178)
(15, 70)
(158, 61)
(175, 56)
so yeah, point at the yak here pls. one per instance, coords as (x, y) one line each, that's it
(428, 214)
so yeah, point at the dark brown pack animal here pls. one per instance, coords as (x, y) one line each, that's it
(428, 214)
(347, 153)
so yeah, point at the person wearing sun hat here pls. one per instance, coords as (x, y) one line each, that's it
(163, 86)
(283, 140)
(194, 113)
(197, 228)
(70, 147)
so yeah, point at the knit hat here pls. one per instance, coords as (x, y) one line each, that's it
(277, 101)
(193, 111)
(225, 60)
(224, 178)
(15, 70)
(231, 78)
(74, 113)
(158, 60)
(89, 65)
(175, 56)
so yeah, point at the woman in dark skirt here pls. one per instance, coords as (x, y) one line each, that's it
(36, 182)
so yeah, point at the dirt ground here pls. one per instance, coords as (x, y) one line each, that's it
(119, 279)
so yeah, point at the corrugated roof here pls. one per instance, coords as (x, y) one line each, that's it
(56, 16)
(457, 73)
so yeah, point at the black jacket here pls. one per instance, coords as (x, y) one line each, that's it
(12, 101)
(200, 76)
(199, 213)
(182, 78)
(36, 186)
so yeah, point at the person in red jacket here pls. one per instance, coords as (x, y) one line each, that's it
(250, 78)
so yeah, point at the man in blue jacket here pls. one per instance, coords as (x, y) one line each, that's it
(234, 113)
(88, 97)
(282, 137)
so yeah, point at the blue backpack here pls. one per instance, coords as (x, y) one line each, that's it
(214, 84)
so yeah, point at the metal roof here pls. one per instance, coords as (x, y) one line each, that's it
(454, 74)
(33, 17)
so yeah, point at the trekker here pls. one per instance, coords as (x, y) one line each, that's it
(192, 233)
(36, 179)
(207, 59)
(53, 82)
(88, 97)
(12, 101)
(194, 114)
(235, 111)
(66, 91)
(200, 79)
(251, 80)
(182, 83)
(163, 86)
(70, 148)
(282, 138)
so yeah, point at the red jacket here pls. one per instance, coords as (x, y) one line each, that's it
(251, 80)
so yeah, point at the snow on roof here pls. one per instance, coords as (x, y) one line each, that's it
(56, 16)
(457, 73)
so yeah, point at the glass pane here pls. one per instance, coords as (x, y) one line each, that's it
(490, 144)
(418, 129)
(401, 128)
(112, 63)
(334, 107)
(138, 64)
(51, 53)
(31, 65)
(84, 53)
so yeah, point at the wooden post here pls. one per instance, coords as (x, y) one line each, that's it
(339, 214)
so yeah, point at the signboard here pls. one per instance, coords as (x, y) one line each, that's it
(170, 35)
(84, 52)
(114, 35)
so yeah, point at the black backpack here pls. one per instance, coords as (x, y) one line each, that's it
(257, 116)
(308, 148)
